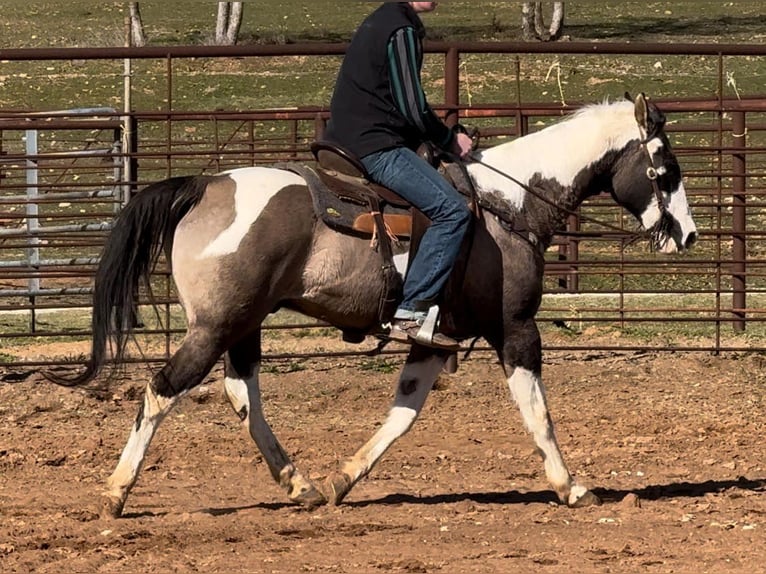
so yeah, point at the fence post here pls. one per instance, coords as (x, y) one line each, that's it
(739, 220)
(33, 223)
(452, 86)
(569, 250)
(319, 126)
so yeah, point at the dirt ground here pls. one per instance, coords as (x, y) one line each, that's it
(672, 443)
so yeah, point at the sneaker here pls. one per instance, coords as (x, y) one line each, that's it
(406, 331)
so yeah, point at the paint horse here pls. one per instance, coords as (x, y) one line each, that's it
(247, 242)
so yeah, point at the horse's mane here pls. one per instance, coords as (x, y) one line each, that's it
(613, 116)
(611, 121)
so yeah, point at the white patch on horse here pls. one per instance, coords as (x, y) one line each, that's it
(400, 262)
(651, 214)
(679, 208)
(654, 145)
(255, 186)
(398, 422)
(559, 152)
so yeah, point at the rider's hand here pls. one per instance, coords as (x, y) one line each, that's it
(462, 145)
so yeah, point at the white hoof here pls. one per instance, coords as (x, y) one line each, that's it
(580, 496)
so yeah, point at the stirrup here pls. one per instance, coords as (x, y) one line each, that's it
(425, 333)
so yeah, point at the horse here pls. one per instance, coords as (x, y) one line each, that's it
(246, 242)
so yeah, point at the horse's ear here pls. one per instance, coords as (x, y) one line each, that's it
(641, 111)
(628, 96)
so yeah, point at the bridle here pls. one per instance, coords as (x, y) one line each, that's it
(652, 172)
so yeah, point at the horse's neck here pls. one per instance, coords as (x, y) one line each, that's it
(561, 163)
(531, 194)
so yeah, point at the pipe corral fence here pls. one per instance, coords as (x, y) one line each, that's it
(65, 174)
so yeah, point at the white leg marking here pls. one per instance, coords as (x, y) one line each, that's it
(236, 392)
(246, 393)
(245, 397)
(255, 186)
(132, 458)
(400, 419)
(527, 390)
(398, 422)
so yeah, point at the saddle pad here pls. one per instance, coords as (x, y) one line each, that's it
(349, 213)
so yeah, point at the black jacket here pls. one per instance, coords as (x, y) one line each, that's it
(378, 102)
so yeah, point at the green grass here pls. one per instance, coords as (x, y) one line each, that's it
(83, 23)
(261, 83)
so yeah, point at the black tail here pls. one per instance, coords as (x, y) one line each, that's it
(135, 243)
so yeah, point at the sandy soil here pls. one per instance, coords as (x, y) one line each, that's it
(672, 443)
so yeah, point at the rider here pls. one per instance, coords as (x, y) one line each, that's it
(380, 114)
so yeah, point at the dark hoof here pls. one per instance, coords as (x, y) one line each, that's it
(450, 365)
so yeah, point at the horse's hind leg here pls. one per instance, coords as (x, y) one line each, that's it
(522, 361)
(415, 382)
(243, 391)
(185, 369)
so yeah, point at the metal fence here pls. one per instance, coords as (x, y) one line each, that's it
(64, 174)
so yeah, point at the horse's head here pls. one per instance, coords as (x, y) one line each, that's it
(647, 182)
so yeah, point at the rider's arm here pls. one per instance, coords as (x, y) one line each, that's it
(407, 90)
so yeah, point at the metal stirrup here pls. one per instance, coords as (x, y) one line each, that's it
(426, 332)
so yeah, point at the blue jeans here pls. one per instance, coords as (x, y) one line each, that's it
(403, 171)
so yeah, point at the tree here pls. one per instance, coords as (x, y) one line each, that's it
(137, 36)
(533, 21)
(228, 22)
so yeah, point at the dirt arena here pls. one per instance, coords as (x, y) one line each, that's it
(673, 444)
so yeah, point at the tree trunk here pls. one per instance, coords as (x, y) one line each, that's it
(222, 22)
(533, 21)
(528, 21)
(228, 23)
(137, 36)
(235, 21)
(557, 21)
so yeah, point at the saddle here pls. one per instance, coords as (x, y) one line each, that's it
(346, 199)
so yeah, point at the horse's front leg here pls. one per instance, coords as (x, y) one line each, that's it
(522, 361)
(415, 382)
(243, 391)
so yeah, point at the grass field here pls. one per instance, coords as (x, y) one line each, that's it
(83, 23)
(282, 82)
